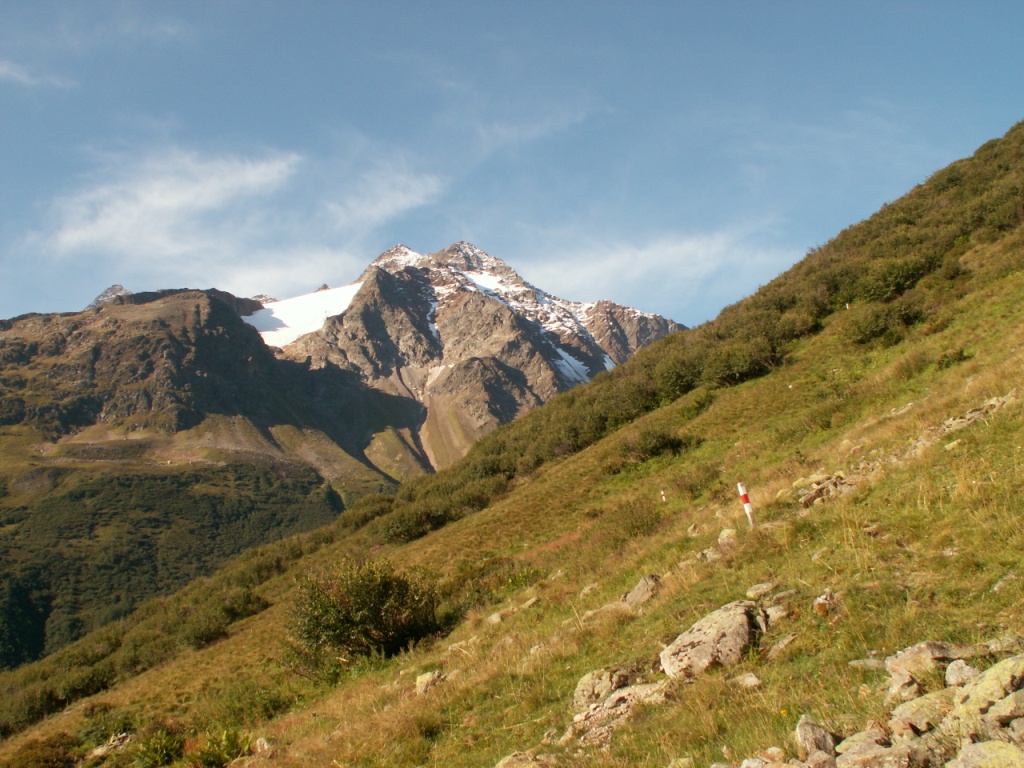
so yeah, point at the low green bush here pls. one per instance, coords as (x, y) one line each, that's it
(357, 609)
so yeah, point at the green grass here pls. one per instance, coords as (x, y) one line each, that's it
(781, 386)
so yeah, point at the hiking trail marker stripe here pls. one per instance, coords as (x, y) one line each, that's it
(746, 504)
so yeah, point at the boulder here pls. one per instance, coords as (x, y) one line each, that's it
(959, 672)
(594, 687)
(1006, 710)
(989, 754)
(594, 726)
(427, 680)
(878, 756)
(645, 589)
(719, 639)
(908, 667)
(811, 737)
(920, 715)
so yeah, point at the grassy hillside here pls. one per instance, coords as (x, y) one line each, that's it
(851, 362)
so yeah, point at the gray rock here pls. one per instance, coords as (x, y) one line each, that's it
(872, 736)
(777, 650)
(1007, 709)
(911, 665)
(878, 756)
(1015, 731)
(646, 588)
(758, 591)
(820, 759)
(594, 727)
(427, 680)
(719, 639)
(594, 687)
(811, 737)
(747, 680)
(920, 715)
(989, 754)
(526, 760)
(868, 665)
(959, 672)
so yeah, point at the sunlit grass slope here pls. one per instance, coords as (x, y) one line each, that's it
(566, 506)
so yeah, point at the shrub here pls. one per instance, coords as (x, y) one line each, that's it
(159, 746)
(222, 750)
(59, 751)
(357, 609)
(951, 357)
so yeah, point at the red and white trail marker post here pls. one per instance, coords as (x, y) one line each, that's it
(746, 504)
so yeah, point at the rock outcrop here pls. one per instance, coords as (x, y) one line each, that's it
(463, 336)
(719, 639)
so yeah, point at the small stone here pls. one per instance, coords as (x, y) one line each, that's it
(780, 646)
(728, 538)
(526, 760)
(828, 606)
(872, 736)
(959, 673)
(427, 680)
(776, 613)
(758, 591)
(646, 588)
(811, 737)
(868, 665)
(1004, 582)
(746, 680)
(591, 587)
(820, 759)
(773, 755)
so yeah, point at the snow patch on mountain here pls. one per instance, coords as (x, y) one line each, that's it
(282, 322)
(571, 368)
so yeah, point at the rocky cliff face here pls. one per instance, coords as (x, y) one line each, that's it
(462, 334)
(402, 370)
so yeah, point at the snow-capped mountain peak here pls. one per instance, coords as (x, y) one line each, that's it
(456, 329)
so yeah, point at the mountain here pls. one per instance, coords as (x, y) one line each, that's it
(151, 436)
(870, 401)
(459, 332)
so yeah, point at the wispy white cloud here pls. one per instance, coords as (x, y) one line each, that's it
(498, 132)
(383, 192)
(275, 222)
(13, 72)
(161, 206)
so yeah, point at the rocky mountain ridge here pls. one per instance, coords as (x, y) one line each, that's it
(461, 333)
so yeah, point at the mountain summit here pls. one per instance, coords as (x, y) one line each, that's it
(461, 333)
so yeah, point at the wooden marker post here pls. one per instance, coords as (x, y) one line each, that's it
(746, 504)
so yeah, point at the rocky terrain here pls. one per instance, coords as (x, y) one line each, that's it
(461, 333)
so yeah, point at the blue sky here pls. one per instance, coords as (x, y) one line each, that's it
(671, 156)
